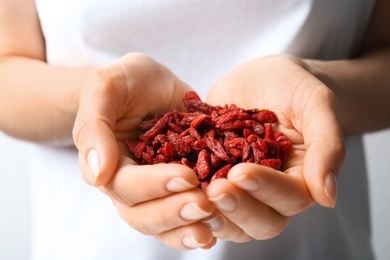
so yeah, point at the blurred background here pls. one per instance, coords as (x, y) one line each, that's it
(15, 240)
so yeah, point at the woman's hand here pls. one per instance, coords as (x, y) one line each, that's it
(113, 101)
(158, 200)
(256, 201)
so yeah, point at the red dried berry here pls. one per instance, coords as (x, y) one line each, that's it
(211, 139)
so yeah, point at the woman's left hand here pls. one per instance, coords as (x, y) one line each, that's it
(257, 201)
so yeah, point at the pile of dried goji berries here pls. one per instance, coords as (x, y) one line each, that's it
(210, 139)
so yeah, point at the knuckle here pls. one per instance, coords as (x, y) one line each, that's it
(243, 238)
(140, 227)
(117, 195)
(299, 208)
(134, 220)
(168, 221)
(274, 231)
(78, 132)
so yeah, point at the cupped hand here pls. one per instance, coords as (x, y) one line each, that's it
(256, 201)
(158, 200)
(113, 101)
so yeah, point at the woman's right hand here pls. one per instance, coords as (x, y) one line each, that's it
(160, 200)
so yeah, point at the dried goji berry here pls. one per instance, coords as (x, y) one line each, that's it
(203, 164)
(217, 148)
(265, 116)
(223, 172)
(211, 139)
(273, 163)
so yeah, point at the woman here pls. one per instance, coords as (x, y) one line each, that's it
(70, 61)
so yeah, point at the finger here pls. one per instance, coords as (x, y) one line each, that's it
(160, 215)
(285, 193)
(133, 184)
(93, 133)
(321, 170)
(325, 149)
(224, 229)
(98, 151)
(252, 216)
(196, 235)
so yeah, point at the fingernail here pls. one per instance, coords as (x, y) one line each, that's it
(191, 242)
(225, 202)
(178, 184)
(191, 211)
(330, 188)
(246, 182)
(94, 165)
(215, 223)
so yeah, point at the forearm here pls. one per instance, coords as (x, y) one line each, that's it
(362, 86)
(39, 102)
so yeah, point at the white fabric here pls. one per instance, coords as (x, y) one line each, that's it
(200, 41)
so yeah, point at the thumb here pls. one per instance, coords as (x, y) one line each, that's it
(325, 154)
(98, 150)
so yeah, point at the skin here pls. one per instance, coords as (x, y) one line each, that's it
(98, 108)
(264, 195)
(316, 87)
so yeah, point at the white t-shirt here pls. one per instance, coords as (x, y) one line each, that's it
(200, 41)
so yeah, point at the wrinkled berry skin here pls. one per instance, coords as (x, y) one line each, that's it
(211, 139)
